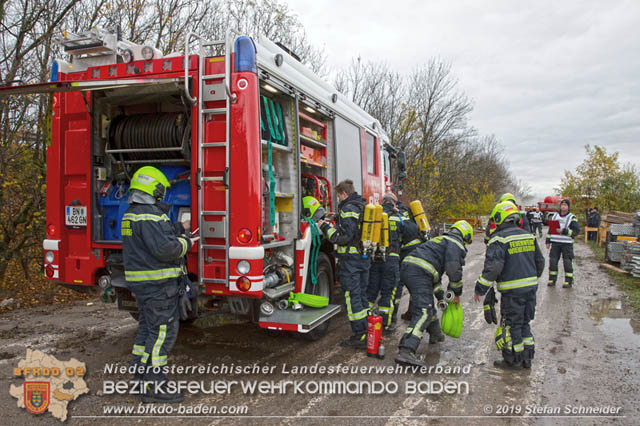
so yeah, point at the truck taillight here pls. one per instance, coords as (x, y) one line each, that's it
(243, 284)
(244, 235)
(51, 230)
(49, 271)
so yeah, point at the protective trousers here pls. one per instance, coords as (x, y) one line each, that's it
(536, 226)
(419, 282)
(566, 250)
(158, 323)
(354, 278)
(382, 280)
(397, 293)
(517, 311)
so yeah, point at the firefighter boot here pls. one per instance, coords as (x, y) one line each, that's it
(505, 365)
(511, 361)
(435, 332)
(408, 357)
(356, 341)
(527, 356)
(162, 395)
(156, 390)
(389, 330)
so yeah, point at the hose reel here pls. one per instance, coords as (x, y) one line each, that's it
(161, 137)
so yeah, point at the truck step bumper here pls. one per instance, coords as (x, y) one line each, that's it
(302, 321)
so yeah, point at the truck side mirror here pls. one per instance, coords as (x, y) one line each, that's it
(402, 165)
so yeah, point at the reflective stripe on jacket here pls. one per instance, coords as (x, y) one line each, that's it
(347, 232)
(513, 260)
(151, 246)
(440, 255)
(568, 222)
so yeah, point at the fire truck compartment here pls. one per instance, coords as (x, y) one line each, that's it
(132, 129)
(114, 202)
(303, 320)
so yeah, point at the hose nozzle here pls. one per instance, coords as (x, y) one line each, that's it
(449, 296)
(442, 305)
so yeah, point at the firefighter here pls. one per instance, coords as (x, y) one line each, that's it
(514, 260)
(421, 272)
(524, 222)
(384, 271)
(536, 222)
(353, 267)
(410, 237)
(562, 244)
(153, 250)
(529, 216)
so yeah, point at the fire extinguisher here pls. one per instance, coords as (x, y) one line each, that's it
(375, 347)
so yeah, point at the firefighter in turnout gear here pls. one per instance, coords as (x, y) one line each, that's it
(536, 222)
(353, 267)
(421, 272)
(562, 244)
(384, 272)
(491, 226)
(153, 251)
(410, 237)
(513, 260)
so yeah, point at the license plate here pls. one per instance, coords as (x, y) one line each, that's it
(75, 216)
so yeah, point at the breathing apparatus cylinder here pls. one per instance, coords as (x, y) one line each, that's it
(368, 224)
(377, 224)
(419, 216)
(384, 236)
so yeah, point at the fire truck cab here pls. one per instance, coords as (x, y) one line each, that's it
(242, 130)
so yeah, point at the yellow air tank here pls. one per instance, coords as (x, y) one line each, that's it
(420, 217)
(368, 222)
(377, 225)
(384, 237)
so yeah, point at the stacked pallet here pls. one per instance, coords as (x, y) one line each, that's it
(630, 257)
(623, 229)
(615, 252)
(618, 217)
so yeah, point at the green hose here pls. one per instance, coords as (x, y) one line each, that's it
(316, 242)
(272, 179)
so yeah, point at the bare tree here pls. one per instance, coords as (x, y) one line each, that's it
(25, 49)
(452, 170)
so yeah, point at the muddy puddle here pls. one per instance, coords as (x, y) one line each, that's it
(618, 322)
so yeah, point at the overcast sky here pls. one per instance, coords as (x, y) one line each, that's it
(546, 77)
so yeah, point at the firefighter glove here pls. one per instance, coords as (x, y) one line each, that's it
(499, 338)
(185, 306)
(184, 303)
(490, 307)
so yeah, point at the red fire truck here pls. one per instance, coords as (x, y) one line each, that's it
(243, 131)
(549, 206)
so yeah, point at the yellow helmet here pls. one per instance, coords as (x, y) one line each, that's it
(502, 211)
(150, 180)
(312, 209)
(465, 229)
(507, 196)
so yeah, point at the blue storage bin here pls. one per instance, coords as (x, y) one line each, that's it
(115, 203)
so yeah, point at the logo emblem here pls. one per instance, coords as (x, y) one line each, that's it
(36, 396)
